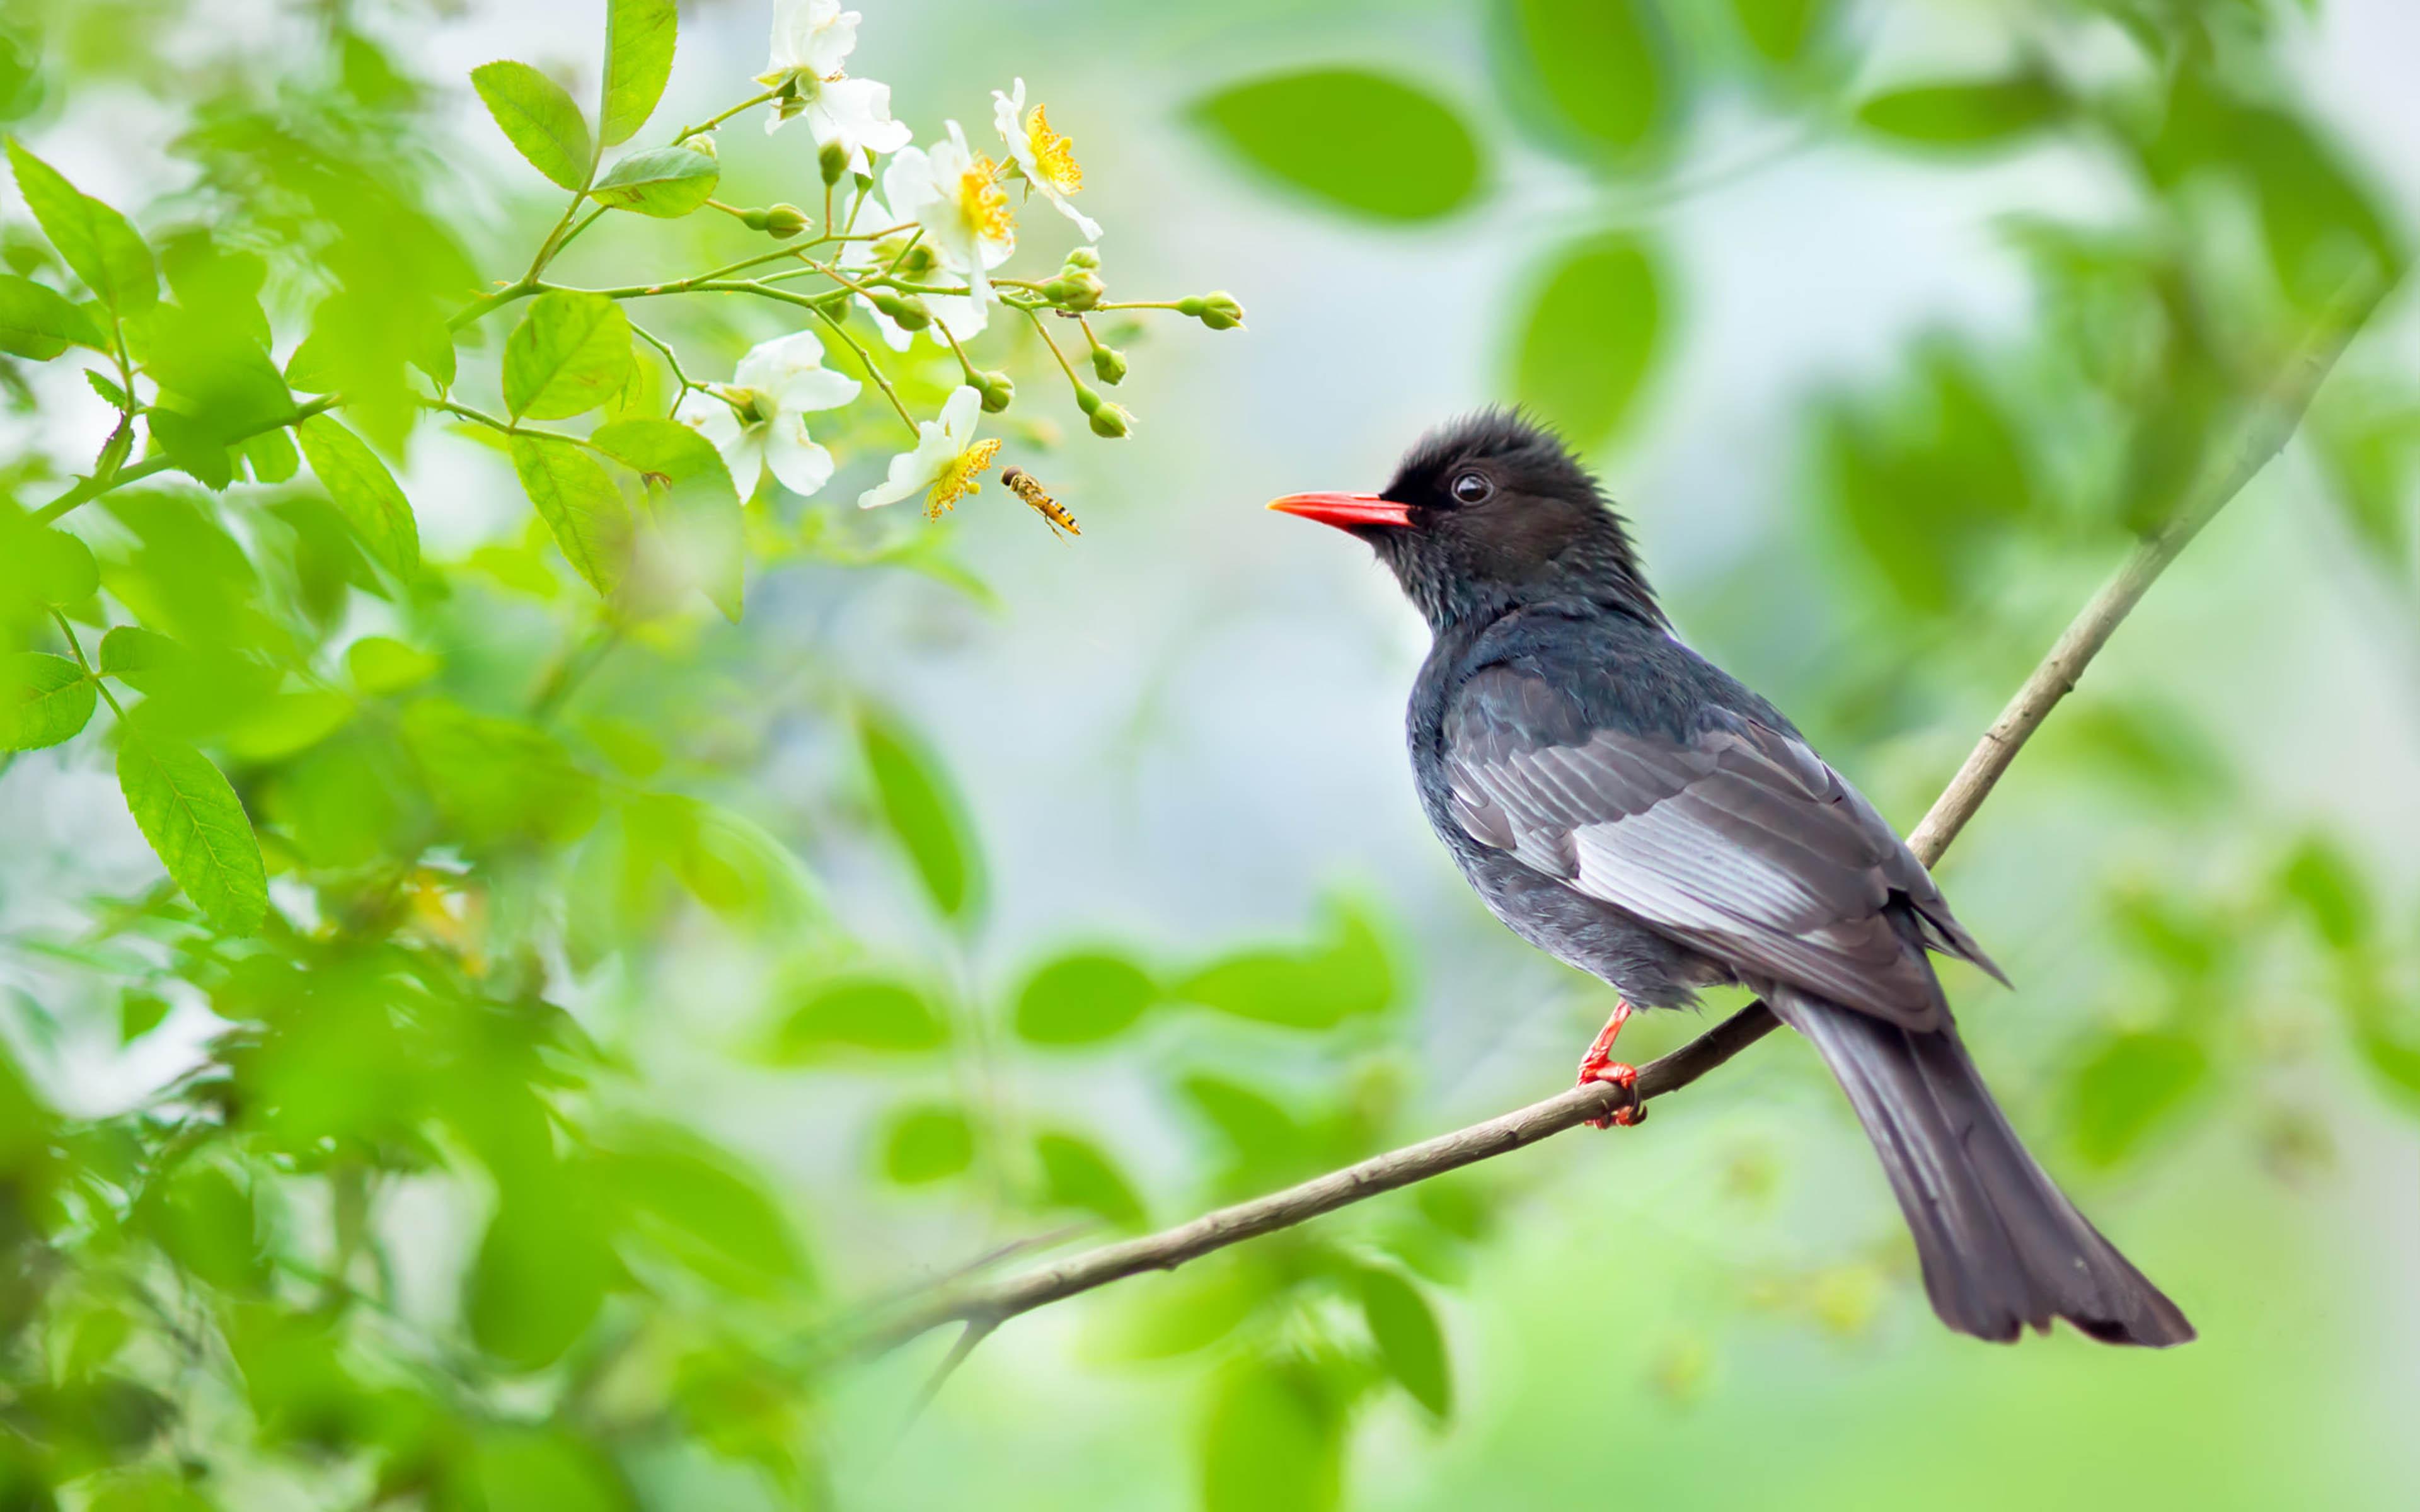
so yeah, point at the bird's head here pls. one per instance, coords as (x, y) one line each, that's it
(1489, 514)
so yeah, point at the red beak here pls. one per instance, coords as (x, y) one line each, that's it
(1345, 511)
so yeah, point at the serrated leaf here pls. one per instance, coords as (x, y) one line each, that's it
(1353, 140)
(664, 182)
(586, 514)
(94, 241)
(538, 118)
(1587, 74)
(922, 812)
(190, 813)
(40, 323)
(363, 491)
(1591, 336)
(43, 701)
(379, 664)
(1083, 998)
(925, 1143)
(1409, 1340)
(640, 36)
(1978, 113)
(539, 1277)
(128, 653)
(55, 568)
(102, 384)
(703, 1209)
(570, 352)
(697, 505)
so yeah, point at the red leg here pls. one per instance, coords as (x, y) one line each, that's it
(1598, 1065)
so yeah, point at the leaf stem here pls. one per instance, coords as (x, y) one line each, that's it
(93, 487)
(874, 371)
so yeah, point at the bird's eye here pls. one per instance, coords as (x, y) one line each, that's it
(1471, 489)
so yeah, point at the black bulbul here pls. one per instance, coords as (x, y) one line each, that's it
(1625, 805)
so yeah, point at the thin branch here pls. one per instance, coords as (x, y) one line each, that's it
(2269, 424)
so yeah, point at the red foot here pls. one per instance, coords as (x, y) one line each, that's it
(1598, 1065)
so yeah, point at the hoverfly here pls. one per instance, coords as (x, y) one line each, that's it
(1021, 483)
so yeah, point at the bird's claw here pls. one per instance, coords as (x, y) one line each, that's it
(1623, 1076)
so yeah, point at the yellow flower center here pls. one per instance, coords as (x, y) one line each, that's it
(1054, 156)
(957, 479)
(983, 203)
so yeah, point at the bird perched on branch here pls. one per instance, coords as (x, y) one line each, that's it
(1630, 809)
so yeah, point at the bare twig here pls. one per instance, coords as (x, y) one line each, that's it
(2269, 424)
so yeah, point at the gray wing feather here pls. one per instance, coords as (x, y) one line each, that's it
(1740, 842)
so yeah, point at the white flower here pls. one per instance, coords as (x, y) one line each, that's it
(962, 314)
(764, 424)
(946, 462)
(1046, 159)
(952, 192)
(811, 40)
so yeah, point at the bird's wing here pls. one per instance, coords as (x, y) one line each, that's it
(1739, 842)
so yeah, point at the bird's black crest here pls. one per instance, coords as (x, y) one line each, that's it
(1495, 433)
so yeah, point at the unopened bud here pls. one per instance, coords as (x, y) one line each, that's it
(1088, 258)
(1087, 399)
(834, 161)
(702, 146)
(998, 392)
(1111, 420)
(906, 310)
(753, 220)
(1220, 311)
(1109, 364)
(1079, 290)
(782, 222)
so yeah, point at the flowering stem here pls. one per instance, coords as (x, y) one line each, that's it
(94, 677)
(687, 132)
(1044, 331)
(872, 369)
(671, 359)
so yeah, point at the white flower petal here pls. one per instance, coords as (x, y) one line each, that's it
(917, 471)
(813, 388)
(803, 465)
(771, 364)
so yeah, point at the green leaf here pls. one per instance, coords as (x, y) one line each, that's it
(1272, 1441)
(40, 323)
(664, 182)
(131, 653)
(2127, 1088)
(138, 1014)
(1589, 72)
(927, 1143)
(538, 118)
(921, 809)
(94, 241)
(699, 1206)
(1314, 989)
(498, 781)
(1988, 112)
(539, 1277)
(1076, 1174)
(47, 700)
(363, 491)
(209, 369)
(1779, 30)
(44, 566)
(190, 815)
(1592, 334)
(285, 723)
(697, 505)
(2322, 881)
(859, 1013)
(567, 355)
(377, 664)
(1352, 140)
(1083, 998)
(1407, 1336)
(544, 1466)
(588, 515)
(638, 39)
(272, 456)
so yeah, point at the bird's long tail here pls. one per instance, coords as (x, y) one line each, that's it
(2001, 1246)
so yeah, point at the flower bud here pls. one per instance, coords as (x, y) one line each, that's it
(1220, 312)
(906, 310)
(1080, 290)
(1109, 364)
(1111, 420)
(833, 162)
(998, 392)
(1087, 258)
(782, 222)
(753, 220)
(702, 146)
